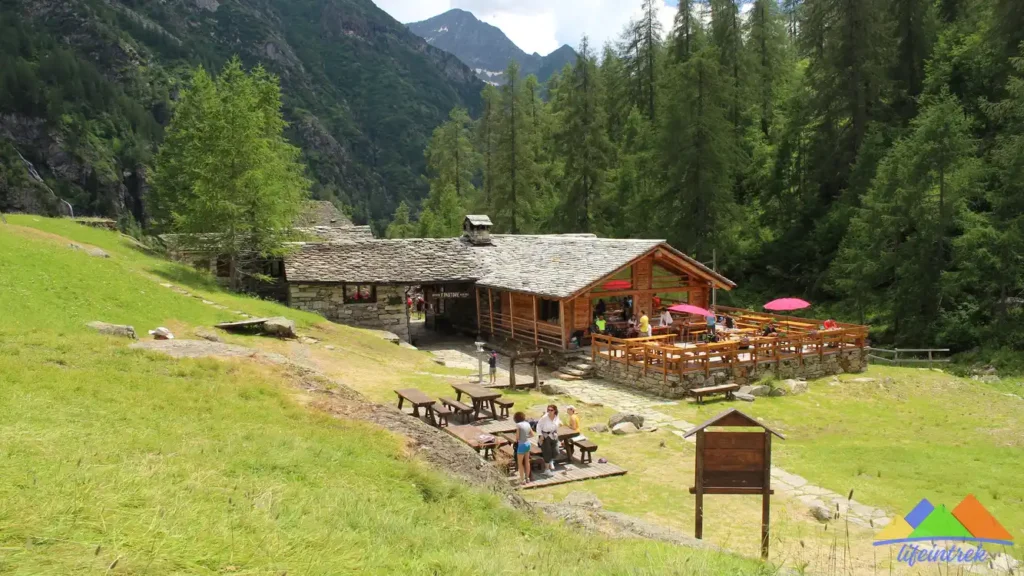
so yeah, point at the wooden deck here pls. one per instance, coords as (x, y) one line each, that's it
(498, 427)
(574, 473)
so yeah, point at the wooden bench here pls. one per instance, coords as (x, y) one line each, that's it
(587, 449)
(504, 406)
(441, 415)
(417, 398)
(726, 389)
(459, 408)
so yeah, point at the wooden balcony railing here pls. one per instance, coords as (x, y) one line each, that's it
(659, 354)
(543, 334)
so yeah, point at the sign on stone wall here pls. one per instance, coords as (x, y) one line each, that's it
(447, 295)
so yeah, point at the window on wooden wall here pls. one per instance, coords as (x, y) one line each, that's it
(360, 293)
(547, 311)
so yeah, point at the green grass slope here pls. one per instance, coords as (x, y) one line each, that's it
(121, 461)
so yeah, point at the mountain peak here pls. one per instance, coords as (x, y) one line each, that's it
(485, 48)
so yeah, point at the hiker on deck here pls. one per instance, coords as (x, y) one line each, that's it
(666, 318)
(601, 324)
(645, 324)
(523, 434)
(769, 329)
(547, 429)
(711, 323)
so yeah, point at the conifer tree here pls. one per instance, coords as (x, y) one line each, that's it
(225, 178)
(582, 141)
(401, 225)
(515, 172)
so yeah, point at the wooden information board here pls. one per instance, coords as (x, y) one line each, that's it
(733, 463)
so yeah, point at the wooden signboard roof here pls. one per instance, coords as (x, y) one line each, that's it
(731, 418)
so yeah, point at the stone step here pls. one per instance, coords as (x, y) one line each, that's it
(585, 366)
(575, 372)
(564, 376)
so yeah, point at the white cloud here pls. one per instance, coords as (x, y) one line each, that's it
(540, 25)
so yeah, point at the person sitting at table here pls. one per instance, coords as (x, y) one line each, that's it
(523, 434)
(666, 318)
(574, 422)
(830, 324)
(711, 323)
(730, 323)
(631, 328)
(547, 429)
(769, 329)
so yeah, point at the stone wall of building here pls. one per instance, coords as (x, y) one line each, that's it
(387, 313)
(848, 360)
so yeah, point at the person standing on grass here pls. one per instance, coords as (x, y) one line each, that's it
(492, 362)
(523, 434)
(547, 429)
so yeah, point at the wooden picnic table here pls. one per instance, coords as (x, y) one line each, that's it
(479, 395)
(417, 398)
(471, 436)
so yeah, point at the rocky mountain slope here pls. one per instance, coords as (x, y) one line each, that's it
(87, 86)
(485, 48)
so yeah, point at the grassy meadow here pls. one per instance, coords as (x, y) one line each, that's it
(121, 461)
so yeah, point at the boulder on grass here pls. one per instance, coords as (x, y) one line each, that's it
(636, 419)
(821, 512)
(207, 334)
(280, 327)
(113, 329)
(795, 387)
(552, 389)
(598, 428)
(623, 428)
(743, 397)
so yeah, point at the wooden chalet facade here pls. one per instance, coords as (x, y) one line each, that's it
(533, 291)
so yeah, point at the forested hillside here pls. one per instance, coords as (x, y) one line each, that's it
(87, 86)
(867, 155)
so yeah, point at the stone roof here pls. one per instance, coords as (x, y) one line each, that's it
(322, 213)
(557, 266)
(479, 220)
(406, 261)
(330, 234)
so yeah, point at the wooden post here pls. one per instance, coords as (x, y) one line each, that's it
(512, 370)
(698, 529)
(536, 335)
(766, 494)
(478, 319)
(490, 308)
(536, 379)
(562, 323)
(512, 315)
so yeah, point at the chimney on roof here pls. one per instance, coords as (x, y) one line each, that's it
(477, 229)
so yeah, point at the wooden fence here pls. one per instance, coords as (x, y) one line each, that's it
(910, 356)
(659, 355)
(543, 334)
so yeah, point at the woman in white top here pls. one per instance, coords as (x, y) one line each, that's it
(547, 430)
(666, 318)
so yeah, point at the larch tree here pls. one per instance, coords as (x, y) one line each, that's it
(226, 179)
(515, 173)
(582, 141)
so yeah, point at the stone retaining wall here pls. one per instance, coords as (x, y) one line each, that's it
(387, 313)
(847, 360)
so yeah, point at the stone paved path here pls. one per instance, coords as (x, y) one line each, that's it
(620, 398)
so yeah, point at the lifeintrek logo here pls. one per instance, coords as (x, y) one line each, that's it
(969, 523)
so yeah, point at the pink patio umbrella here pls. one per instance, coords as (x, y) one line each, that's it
(690, 309)
(786, 304)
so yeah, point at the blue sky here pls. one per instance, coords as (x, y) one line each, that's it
(538, 25)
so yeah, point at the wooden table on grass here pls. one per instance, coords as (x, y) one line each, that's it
(479, 395)
(415, 397)
(471, 436)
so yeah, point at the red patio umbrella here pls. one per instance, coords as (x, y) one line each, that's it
(617, 285)
(786, 304)
(690, 309)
